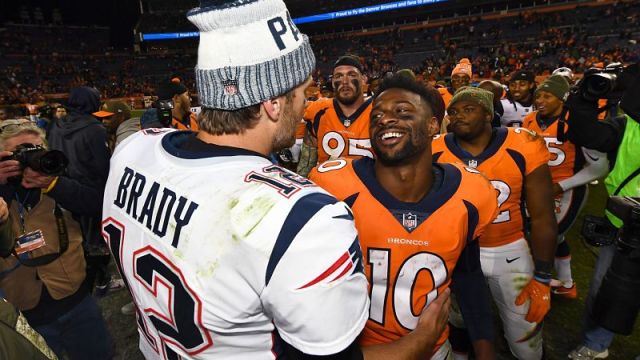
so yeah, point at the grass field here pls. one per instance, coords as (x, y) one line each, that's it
(561, 332)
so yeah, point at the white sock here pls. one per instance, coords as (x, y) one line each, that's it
(563, 269)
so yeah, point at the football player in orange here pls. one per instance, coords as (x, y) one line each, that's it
(571, 168)
(401, 201)
(460, 76)
(338, 127)
(515, 161)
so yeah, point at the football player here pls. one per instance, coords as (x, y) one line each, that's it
(228, 256)
(515, 161)
(571, 168)
(401, 202)
(338, 127)
(519, 100)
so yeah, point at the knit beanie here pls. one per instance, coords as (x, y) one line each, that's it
(463, 67)
(557, 85)
(474, 95)
(250, 51)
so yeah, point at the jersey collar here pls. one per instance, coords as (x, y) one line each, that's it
(351, 119)
(185, 145)
(446, 181)
(499, 137)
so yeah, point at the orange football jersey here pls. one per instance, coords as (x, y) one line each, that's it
(446, 96)
(512, 154)
(408, 257)
(339, 135)
(564, 160)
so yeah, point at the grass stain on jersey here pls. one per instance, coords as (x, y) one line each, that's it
(233, 202)
(208, 270)
(258, 209)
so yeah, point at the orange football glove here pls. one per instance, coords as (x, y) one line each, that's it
(540, 296)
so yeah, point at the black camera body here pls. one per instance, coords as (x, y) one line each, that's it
(602, 83)
(617, 303)
(48, 162)
(165, 115)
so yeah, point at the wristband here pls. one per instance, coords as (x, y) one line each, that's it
(51, 185)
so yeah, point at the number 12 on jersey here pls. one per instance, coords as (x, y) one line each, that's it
(403, 286)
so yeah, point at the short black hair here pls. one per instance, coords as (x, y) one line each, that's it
(427, 92)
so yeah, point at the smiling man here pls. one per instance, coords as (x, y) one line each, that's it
(338, 127)
(400, 201)
(572, 167)
(515, 161)
(519, 100)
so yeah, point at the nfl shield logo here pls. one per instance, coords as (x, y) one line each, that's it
(409, 221)
(473, 164)
(230, 87)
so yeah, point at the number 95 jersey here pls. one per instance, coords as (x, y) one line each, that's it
(410, 249)
(339, 135)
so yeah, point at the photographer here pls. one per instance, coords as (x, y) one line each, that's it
(619, 137)
(83, 139)
(44, 272)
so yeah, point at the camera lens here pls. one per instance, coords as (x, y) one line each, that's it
(598, 85)
(52, 162)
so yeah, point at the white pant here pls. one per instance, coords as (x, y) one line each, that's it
(444, 353)
(508, 268)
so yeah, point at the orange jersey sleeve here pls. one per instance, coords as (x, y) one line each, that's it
(564, 158)
(408, 258)
(446, 96)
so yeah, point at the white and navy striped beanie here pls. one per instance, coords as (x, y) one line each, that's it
(250, 51)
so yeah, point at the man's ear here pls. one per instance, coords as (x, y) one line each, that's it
(273, 107)
(432, 126)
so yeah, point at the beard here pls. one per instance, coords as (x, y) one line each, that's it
(349, 100)
(286, 136)
(417, 144)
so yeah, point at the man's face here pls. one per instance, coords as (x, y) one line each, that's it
(459, 80)
(60, 113)
(347, 84)
(468, 120)
(3, 114)
(25, 138)
(399, 125)
(520, 89)
(184, 101)
(290, 117)
(547, 104)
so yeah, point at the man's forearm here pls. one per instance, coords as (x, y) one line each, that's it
(308, 159)
(411, 346)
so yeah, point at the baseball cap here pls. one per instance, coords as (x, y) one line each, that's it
(523, 75)
(348, 60)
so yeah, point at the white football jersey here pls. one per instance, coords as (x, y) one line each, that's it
(225, 253)
(514, 113)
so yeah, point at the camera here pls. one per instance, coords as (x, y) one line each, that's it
(602, 83)
(616, 305)
(164, 112)
(48, 162)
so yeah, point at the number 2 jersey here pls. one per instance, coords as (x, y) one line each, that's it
(339, 135)
(410, 249)
(225, 254)
(512, 154)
